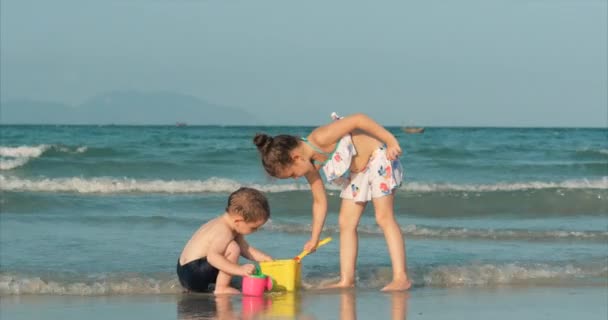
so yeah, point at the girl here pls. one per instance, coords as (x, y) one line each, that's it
(361, 156)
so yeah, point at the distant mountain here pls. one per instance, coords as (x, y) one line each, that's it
(34, 112)
(125, 107)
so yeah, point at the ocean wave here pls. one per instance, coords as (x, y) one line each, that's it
(9, 164)
(426, 232)
(24, 151)
(512, 274)
(593, 153)
(14, 157)
(472, 275)
(12, 284)
(476, 275)
(601, 183)
(121, 185)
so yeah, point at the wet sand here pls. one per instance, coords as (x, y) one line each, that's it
(421, 303)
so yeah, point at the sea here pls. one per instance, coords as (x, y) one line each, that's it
(104, 211)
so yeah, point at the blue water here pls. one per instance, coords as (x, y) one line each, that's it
(107, 209)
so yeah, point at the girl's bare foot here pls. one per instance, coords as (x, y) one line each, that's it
(226, 290)
(398, 285)
(339, 285)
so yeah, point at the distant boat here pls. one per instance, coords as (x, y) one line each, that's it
(413, 129)
(180, 124)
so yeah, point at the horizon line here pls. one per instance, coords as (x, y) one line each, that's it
(291, 125)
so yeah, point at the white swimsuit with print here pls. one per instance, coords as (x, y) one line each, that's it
(379, 177)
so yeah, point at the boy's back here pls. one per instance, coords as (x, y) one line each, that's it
(198, 246)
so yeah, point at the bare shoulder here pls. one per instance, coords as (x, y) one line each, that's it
(212, 231)
(215, 229)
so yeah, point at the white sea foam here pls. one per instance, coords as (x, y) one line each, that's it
(65, 149)
(117, 185)
(81, 149)
(473, 275)
(423, 232)
(508, 274)
(516, 186)
(24, 151)
(121, 185)
(8, 164)
(32, 285)
(503, 234)
(14, 157)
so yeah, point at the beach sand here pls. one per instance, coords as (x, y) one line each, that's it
(421, 303)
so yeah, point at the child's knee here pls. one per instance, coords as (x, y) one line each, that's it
(385, 218)
(233, 250)
(347, 223)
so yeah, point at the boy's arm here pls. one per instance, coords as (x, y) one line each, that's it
(216, 258)
(319, 208)
(328, 134)
(249, 252)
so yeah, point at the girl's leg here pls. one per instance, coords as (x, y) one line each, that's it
(222, 284)
(385, 217)
(350, 214)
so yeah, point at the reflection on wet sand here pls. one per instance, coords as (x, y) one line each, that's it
(399, 303)
(197, 307)
(203, 307)
(348, 305)
(280, 306)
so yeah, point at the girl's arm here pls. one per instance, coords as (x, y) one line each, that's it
(319, 208)
(249, 252)
(325, 136)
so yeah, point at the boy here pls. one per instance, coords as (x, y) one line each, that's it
(211, 255)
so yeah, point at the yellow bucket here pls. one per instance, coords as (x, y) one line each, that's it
(285, 274)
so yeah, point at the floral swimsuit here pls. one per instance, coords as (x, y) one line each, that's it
(379, 177)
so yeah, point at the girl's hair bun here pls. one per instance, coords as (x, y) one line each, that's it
(262, 141)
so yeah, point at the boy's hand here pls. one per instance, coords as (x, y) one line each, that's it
(247, 269)
(393, 151)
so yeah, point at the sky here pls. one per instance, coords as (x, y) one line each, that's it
(433, 63)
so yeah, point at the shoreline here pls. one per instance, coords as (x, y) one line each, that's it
(420, 303)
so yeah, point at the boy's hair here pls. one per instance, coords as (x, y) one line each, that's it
(249, 203)
(275, 151)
